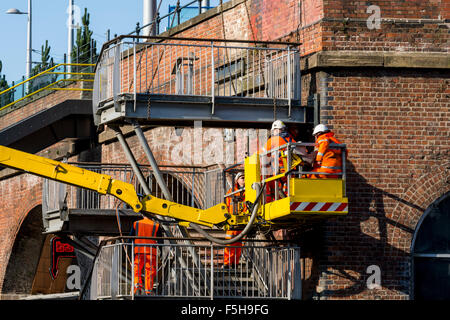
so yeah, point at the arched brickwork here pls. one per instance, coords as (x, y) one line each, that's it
(16, 207)
(417, 198)
(24, 255)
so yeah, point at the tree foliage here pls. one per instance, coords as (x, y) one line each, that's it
(85, 48)
(6, 97)
(45, 63)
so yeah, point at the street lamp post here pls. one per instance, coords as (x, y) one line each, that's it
(70, 37)
(29, 50)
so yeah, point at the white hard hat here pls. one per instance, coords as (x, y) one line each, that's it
(278, 124)
(320, 128)
(240, 174)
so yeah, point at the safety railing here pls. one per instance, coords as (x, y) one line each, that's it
(196, 67)
(294, 160)
(177, 14)
(262, 272)
(187, 186)
(215, 187)
(55, 78)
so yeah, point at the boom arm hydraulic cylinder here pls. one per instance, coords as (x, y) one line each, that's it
(104, 184)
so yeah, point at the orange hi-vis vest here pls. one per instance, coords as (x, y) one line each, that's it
(275, 142)
(330, 158)
(145, 228)
(237, 199)
(235, 204)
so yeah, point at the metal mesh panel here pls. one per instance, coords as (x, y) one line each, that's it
(262, 272)
(190, 68)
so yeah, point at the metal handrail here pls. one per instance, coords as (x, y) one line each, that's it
(48, 87)
(185, 189)
(300, 174)
(113, 272)
(47, 71)
(158, 18)
(119, 70)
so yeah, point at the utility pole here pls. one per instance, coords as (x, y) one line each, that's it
(205, 5)
(29, 37)
(70, 36)
(149, 10)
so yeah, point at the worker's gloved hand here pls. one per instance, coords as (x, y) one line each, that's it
(301, 151)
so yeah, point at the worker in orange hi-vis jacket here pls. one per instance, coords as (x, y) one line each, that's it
(279, 136)
(327, 159)
(235, 204)
(145, 254)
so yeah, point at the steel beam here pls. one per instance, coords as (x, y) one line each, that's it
(181, 110)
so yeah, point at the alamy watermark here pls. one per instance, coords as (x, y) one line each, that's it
(374, 20)
(374, 280)
(208, 146)
(76, 17)
(73, 277)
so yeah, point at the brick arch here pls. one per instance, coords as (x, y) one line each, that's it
(415, 200)
(15, 213)
(184, 180)
(26, 207)
(24, 253)
(162, 154)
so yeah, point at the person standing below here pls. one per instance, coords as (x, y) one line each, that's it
(145, 254)
(235, 205)
(327, 159)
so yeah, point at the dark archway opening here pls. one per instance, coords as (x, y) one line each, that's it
(25, 255)
(431, 252)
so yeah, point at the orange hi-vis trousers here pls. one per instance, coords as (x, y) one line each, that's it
(147, 263)
(232, 255)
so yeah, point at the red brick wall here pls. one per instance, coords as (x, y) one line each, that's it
(445, 8)
(397, 36)
(405, 9)
(195, 147)
(264, 20)
(18, 113)
(395, 124)
(20, 195)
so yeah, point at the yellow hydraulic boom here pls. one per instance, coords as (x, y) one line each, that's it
(306, 199)
(104, 184)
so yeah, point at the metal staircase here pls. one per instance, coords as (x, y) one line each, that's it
(217, 82)
(263, 272)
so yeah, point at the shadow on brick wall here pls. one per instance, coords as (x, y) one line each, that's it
(353, 257)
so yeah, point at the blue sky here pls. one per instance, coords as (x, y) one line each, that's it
(49, 23)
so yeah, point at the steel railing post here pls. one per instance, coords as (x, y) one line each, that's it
(289, 79)
(134, 73)
(297, 75)
(116, 77)
(297, 294)
(344, 174)
(114, 273)
(289, 149)
(192, 188)
(212, 271)
(213, 80)
(133, 284)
